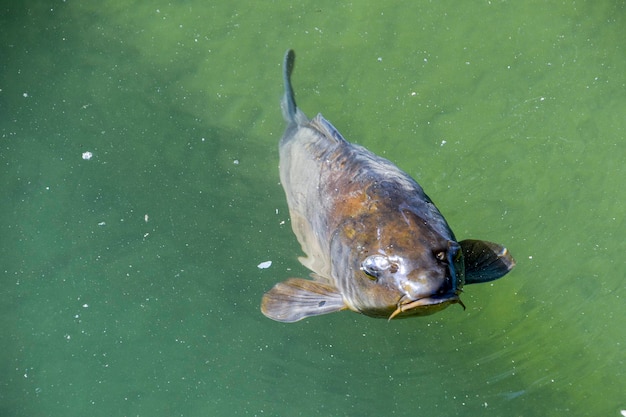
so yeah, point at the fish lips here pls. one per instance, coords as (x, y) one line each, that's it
(424, 306)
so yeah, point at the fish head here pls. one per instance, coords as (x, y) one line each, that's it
(397, 265)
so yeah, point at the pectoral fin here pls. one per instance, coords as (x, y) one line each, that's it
(297, 298)
(485, 261)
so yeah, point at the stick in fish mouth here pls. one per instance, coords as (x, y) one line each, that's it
(375, 242)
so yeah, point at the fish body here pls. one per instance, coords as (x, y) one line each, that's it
(374, 241)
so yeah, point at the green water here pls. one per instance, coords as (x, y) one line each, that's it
(130, 284)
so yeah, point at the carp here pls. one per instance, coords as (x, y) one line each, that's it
(374, 241)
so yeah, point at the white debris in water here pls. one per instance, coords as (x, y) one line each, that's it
(623, 412)
(443, 142)
(145, 218)
(102, 224)
(87, 155)
(264, 265)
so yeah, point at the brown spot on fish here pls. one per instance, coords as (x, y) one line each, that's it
(374, 241)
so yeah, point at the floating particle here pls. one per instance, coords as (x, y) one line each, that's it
(264, 265)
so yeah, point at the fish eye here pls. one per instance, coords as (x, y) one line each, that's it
(441, 256)
(374, 265)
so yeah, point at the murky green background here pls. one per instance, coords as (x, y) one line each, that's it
(129, 281)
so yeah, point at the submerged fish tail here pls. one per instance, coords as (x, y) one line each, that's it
(291, 112)
(288, 103)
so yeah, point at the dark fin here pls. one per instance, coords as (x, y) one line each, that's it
(297, 298)
(485, 261)
(292, 114)
(289, 101)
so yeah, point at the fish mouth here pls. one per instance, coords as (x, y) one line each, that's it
(405, 304)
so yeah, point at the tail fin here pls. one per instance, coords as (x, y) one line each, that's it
(288, 103)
